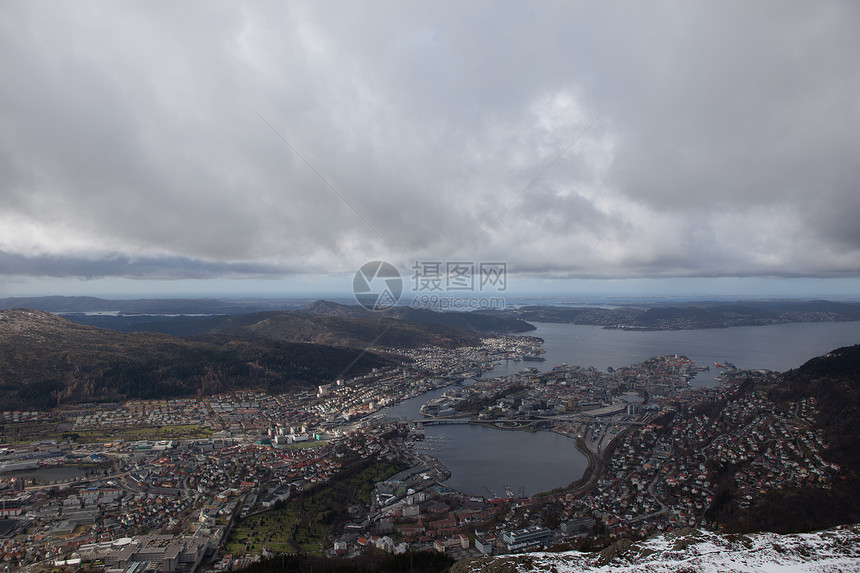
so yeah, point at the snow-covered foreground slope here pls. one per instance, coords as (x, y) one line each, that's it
(689, 551)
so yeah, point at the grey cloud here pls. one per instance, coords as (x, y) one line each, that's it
(133, 129)
(119, 265)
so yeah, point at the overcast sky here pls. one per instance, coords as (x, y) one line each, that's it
(218, 143)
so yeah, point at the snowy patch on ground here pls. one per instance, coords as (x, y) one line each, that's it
(688, 551)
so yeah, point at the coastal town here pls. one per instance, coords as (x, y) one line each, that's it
(217, 482)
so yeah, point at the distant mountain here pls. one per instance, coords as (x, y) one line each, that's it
(472, 321)
(322, 322)
(350, 331)
(353, 332)
(696, 315)
(152, 314)
(46, 360)
(691, 550)
(329, 308)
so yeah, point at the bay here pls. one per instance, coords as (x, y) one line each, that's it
(776, 347)
(481, 458)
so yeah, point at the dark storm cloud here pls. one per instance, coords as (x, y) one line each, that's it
(132, 140)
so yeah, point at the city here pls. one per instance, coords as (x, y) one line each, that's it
(219, 482)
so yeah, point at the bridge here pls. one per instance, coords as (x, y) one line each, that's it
(444, 421)
(506, 424)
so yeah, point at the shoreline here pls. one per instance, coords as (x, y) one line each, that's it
(587, 480)
(588, 477)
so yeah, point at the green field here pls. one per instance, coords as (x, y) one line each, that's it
(304, 523)
(308, 444)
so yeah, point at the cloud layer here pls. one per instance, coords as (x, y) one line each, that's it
(157, 140)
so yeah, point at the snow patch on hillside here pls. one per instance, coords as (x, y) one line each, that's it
(687, 551)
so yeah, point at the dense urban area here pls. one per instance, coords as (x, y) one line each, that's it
(219, 482)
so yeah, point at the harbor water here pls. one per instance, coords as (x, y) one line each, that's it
(484, 460)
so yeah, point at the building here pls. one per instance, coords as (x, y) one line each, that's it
(484, 543)
(528, 537)
(442, 545)
(11, 508)
(165, 552)
(577, 526)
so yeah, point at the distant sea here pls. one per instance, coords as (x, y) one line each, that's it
(778, 347)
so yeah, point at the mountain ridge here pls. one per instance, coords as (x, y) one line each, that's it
(46, 360)
(692, 315)
(294, 326)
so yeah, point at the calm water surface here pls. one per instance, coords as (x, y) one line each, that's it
(778, 347)
(479, 457)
